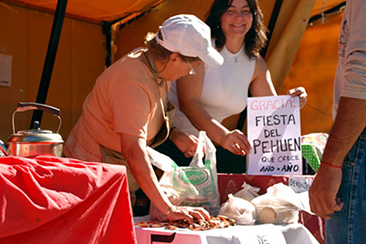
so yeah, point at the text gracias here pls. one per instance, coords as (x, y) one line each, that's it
(276, 145)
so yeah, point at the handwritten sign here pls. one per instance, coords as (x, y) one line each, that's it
(275, 136)
(300, 183)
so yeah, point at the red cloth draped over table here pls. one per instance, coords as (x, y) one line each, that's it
(61, 200)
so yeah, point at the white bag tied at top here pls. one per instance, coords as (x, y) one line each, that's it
(239, 209)
(280, 205)
(193, 185)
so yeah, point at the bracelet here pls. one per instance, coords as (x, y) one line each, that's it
(331, 165)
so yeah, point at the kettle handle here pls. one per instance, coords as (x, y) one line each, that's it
(22, 106)
(32, 106)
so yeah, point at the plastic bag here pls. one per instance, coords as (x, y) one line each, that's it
(278, 206)
(239, 209)
(194, 185)
(248, 192)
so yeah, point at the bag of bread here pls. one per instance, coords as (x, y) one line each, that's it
(241, 210)
(278, 206)
(247, 192)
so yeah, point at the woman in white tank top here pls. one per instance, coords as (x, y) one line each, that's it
(203, 100)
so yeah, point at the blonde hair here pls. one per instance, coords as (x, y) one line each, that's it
(159, 51)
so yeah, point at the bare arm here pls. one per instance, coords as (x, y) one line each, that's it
(134, 151)
(262, 84)
(185, 142)
(348, 125)
(189, 91)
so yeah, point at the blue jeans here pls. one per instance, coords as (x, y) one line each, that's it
(349, 225)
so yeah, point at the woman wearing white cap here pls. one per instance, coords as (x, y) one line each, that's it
(214, 94)
(126, 111)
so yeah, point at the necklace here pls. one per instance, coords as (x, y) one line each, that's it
(152, 65)
(163, 82)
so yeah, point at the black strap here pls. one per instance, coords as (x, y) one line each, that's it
(50, 58)
(271, 25)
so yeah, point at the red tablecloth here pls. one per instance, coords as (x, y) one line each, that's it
(61, 200)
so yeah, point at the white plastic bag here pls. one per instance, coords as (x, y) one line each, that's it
(278, 206)
(248, 192)
(239, 209)
(194, 185)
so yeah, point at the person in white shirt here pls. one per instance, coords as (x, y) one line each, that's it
(204, 100)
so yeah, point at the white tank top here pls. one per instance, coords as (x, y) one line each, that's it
(224, 92)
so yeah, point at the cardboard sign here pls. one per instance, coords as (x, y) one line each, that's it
(275, 136)
(300, 183)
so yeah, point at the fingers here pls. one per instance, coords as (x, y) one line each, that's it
(323, 192)
(199, 213)
(237, 143)
(324, 210)
(303, 99)
(237, 149)
(204, 213)
(339, 205)
(244, 143)
(318, 208)
(185, 143)
(189, 153)
(191, 146)
(296, 91)
(180, 213)
(301, 93)
(189, 214)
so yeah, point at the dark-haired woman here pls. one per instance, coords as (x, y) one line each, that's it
(203, 101)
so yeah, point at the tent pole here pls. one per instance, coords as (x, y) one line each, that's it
(50, 58)
(107, 31)
(271, 25)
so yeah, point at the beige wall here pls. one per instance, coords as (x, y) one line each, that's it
(24, 34)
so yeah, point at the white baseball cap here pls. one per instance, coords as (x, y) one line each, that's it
(189, 36)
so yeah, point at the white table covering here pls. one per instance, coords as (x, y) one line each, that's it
(239, 234)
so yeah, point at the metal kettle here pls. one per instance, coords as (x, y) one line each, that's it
(35, 142)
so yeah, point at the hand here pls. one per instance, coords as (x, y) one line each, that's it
(301, 93)
(185, 143)
(188, 213)
(323, 192)
(236, 142)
